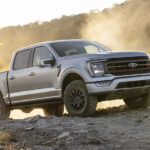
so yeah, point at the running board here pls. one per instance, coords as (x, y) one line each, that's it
(33, 104)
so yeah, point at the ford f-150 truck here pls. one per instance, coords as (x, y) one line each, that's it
(74, 73)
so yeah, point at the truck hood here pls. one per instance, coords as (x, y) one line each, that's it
(108, 55)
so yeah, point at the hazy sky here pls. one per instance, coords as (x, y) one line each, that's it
(15, 12)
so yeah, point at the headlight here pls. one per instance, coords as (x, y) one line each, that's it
(95, 68)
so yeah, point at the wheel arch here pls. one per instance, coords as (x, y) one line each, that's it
(68, 78)
(6, 100)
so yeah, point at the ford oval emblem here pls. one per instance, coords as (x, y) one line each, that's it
(132, 65)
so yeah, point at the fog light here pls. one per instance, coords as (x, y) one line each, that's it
(103, 83)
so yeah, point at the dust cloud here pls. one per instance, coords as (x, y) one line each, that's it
(125, 26)
(18, 114)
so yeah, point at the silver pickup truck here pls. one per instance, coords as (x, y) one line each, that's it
(74, 73)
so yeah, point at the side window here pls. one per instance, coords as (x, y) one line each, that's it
(41, 53)
(22, 59)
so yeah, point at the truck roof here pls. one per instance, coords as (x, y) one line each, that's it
(46, 43)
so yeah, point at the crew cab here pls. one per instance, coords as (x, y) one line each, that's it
(74, 73)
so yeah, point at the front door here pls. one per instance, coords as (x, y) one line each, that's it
(43, 80)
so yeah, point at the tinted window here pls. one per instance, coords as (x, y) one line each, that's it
(67, 48)
(22, 59)
(41, 53)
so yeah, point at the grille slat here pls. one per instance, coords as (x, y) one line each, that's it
(133, 84)
(122, 67)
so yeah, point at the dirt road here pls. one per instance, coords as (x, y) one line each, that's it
(111, 129)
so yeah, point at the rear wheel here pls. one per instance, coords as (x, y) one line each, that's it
(27, 110)
(140, 102)
(77, 100)
(57, 110)
(4, 110)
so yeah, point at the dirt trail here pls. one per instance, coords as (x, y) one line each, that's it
(111, 129)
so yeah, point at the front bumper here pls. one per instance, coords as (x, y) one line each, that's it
(113, 87)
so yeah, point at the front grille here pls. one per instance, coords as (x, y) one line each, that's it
(133, 84)
(123, 67)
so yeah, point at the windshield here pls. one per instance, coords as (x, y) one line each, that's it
(67, 48)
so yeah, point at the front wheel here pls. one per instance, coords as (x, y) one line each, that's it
(77, 100)
(140, 102)
(4, 110)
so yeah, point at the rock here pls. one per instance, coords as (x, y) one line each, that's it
(18, 146)
(145, 116)
(90, 123)
(39, 147)
(94, 142)
(40, 124)
(139, 121)
(82, 131)
(22, 148)
(69, 140)
(49, 143)
(30, 128)
(33, 119)
(80, 126)
(63, 135)
(55, 141)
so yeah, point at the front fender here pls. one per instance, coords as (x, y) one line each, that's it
(69, 71)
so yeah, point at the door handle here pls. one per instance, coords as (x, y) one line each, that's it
(12, 78)
(32, 74)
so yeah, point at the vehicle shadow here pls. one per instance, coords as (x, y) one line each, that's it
(116, 110)
(110, 111)
(106, 111)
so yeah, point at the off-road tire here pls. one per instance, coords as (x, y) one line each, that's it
(57, 110)
(80, 97)
(140, 102)
(4, 110)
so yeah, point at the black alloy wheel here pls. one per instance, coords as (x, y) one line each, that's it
(77, 100)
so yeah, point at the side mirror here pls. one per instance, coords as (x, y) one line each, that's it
(46, 62)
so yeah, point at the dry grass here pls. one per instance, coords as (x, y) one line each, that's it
(4, 136)
(5, 141)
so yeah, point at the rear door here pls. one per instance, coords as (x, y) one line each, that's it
(18, 79)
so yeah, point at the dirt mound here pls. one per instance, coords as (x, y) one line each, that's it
(115, 128)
